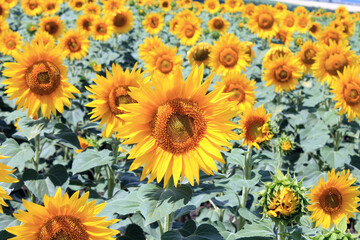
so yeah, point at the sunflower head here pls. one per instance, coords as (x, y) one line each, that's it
(285, 36)
(233, 6)
(50, 7)
(200, 54)
(314, 29)
(31, 7)
(264, 21)
(188, 30)
(53, 25)
(101, 29)
(288, 21)
(307, 55)
(77, 5)
(44, 37)
(255, 126)
(10, 42)
(212, 6)
(334, 199)
(150, 44)
(283, 199)
(122, 20)
(275, 51)
(153, 23)
(331, 34)
(218, 24)
(84, 23)
(75, 44)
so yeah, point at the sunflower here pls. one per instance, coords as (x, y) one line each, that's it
(111, 92)
(4, 10)
(31, 7)
(84, 23)
(228, 54)
(92, 9)
(75, 44)
(219, 24)
(330, 60)
(178, 18)
(347, 92)
(63, 217)
(283, 71)
(38, 80)
(212, 6)
(331, 34)
(281, 7)
(276, 51)
(341, 10)
(181, 128)
(53, 25)
(300, 10)
(302, 23)
(285, 36)
(233, 6)
(306, 56)
(3, 26)
(284, 203)
(101, 28)
(188, 30)
(249, 51)
(42, 36)
(150, 44)
(10, 42)
(10, 3)
(77, 5)
(199, 54)
(288, 21)
(346, 26)
(111, 6)
(4, 177)
(198, 6)
(248, 9)
(334, 199)
(153, 23)
(264, 21)
(122, 20)
(165, 5)
(163, 61)
(50, 6)
(241, 89)
(314, 29)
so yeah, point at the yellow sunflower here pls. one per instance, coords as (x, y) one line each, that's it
(101, 29)
(331, 34)
(4, 10)
(300, 10)
(241, 89)
(233, 6)
(10, 42)
(177, 127)
(212, 6)
(38, 79)
(302, 23)
(249, 51)
(84, 23)
(285, 36)
(111, 92)
(3, 26)
(288, 21)
(153, 23)
(334, 199)
(283, 72)
(346, 26)
(248, 9)
(63, 217)
(111, 6)
(163, 60)
(77, 5)
(347, 92)
(200, 54)
(276, 51)
(198, 6)
(307, 55)
(75, 44)
(122, 20)
(50, 6)
(42, 36)
(150, 44)
(188, 30)
(11, 3)
(284, 203)
(219, 24)
(330, 60)
(4, 177)
(281, 7)
(255, 127)
(228, 55)
(314, 29)
(31, 7)
(165, 5)
(53, 25)
(264, 21)
(92, 9)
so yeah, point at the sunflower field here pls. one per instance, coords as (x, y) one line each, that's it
(178, 120)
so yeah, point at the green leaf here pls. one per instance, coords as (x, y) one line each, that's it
(41, 187)
(30, 174)
(65, 135)
(315, 137)
(342, 225)
(172, 235)
(58, 175)
(245, 213)
(133, 232)
(236, 157)
(188, 228)
(256, 229)
(190, 232)
(335, 159)
(185, 210)
(122, 205)
(158, 202)
(19, 154)
(8, 221)
(31, 127)
(90, 158)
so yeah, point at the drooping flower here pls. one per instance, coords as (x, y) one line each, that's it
(200, 54)
(63, 217)
(334, 199)
(83, 144)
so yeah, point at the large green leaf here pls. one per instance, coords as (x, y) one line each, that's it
(133, 232)
(65, 135)
(314, 137)
(31, 127)
(90, 158)
(19, 154)
(122, 204)
(58, 174)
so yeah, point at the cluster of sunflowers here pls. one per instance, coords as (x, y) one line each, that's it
(194, 101)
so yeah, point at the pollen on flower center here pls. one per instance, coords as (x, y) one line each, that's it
(51, 27)
(164, 65)
(189, 31)
(228, 57)
(335, 62)
(101, 29)
(11, 44)
(352, 94)
(120, 20)
(73, 44)
(308, 57)
(43, 77)
(63, 228)
(154, 22)
(201, 54)
(283, 74)
(178, 125)
(265, 21)
(218, 23)
(331, 200)
(238, 93)
(119, 96)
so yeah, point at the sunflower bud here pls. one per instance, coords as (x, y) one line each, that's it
(31, 28)
(299, 41)
(206, 31)
(286, 143)
(131, 3)
(335, 234)
(283, 199)
(215, 34)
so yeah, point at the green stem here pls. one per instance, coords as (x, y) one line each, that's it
(281, 232)
(37, 152)
(170, 217)
(161, 228)
(111, 178)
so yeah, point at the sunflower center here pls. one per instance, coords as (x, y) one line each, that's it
(78, 4)
(51, 27)
(164, 64)
(43, 77)
(50, 6)
(352, 94)
(212, 5)
(218, 24)
(281, 35)
(303, 23)
(120, 20)
(335, 62)
(101, 29)
(313, 29)
(201, 54)
(189, 30)
(308, 56)
(178, 125)
(266, 21)
(283, 74)
(333, 36)
(73, 44)
(290, 21)
(232, 4)
(165, 4)
(63, 228)
(117, 96)
(228, 57)
(331, 200)
(86, 25)
(154, 22)
(32, 5)
(255, 129)
(238, 93)
(11, 44)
